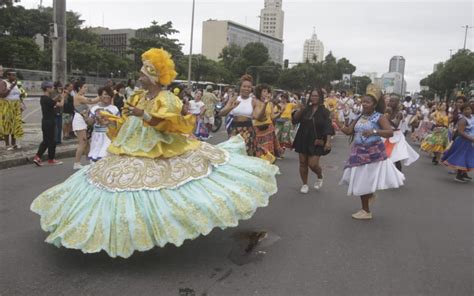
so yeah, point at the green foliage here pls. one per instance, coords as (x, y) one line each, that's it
(203, 69)
(344, 66)
(255, 54)
(8, 3)
(448, 76)
(270, 73)
(230, 58)
(310, 75)
(19, 52)
(89, 58)
(359, 84)
(20, 22)
(156, 36)
(253, 59)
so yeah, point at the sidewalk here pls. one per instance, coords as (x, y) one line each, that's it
(29, 145)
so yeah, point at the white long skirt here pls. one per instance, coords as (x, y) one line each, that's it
(402, 151)
(368, 178)
(99, 144)
(404, 126)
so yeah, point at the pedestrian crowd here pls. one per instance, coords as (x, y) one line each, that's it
(270, 122)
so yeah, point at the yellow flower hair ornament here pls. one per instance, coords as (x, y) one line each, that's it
(158, 66)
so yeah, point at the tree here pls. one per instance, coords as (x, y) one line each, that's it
(19, 52)
(319, 74)
(449, 75)
(229, 55)
(8, 3)
(361, 83)
(231, 59)
(270, 74)
(203, 69)
(253, 58)
(255, 54)
(291, 79)
(300, 77)
(344, 66)
(20, 22)
(157, 36)
(330, 70)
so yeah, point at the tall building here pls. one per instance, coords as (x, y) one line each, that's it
(272, 19)
(313, 50)
(117, 40)
(218, 34)
(392, 82)
(397, 64)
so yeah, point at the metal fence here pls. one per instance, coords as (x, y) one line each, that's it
(37, 75)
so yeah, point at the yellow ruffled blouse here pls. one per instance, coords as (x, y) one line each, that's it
(331, 104)
(440, 119)
(134, 137)
(286, 114)
(268, 116)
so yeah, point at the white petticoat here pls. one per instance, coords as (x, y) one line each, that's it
(78, 123)
(402, 151)
(369, 178)
(99, 144)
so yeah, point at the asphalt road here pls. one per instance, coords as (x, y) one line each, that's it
(419, 243)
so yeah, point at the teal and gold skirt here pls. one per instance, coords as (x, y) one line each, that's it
(122, 204)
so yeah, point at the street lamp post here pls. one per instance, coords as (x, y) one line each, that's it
(465, 34)
(58, 37)
(119, 74)
(191, 47)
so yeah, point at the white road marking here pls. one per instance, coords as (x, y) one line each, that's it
(31, 113)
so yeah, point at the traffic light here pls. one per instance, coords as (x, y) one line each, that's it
(285, 64)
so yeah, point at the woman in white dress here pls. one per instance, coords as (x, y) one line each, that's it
(79, 124)
(397, 148)
(99, 140)
(368, 168)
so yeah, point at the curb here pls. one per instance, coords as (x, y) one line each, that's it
(27, 156)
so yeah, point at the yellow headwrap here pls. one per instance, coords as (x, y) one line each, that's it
(158, 66)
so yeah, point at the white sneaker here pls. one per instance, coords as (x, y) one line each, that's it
(77, 166)
(318, 184)
(304, 189)
(362, 215)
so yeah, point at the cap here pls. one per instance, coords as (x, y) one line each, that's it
(209, 87)
(47, 84)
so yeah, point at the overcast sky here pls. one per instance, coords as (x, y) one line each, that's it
(368, 33)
